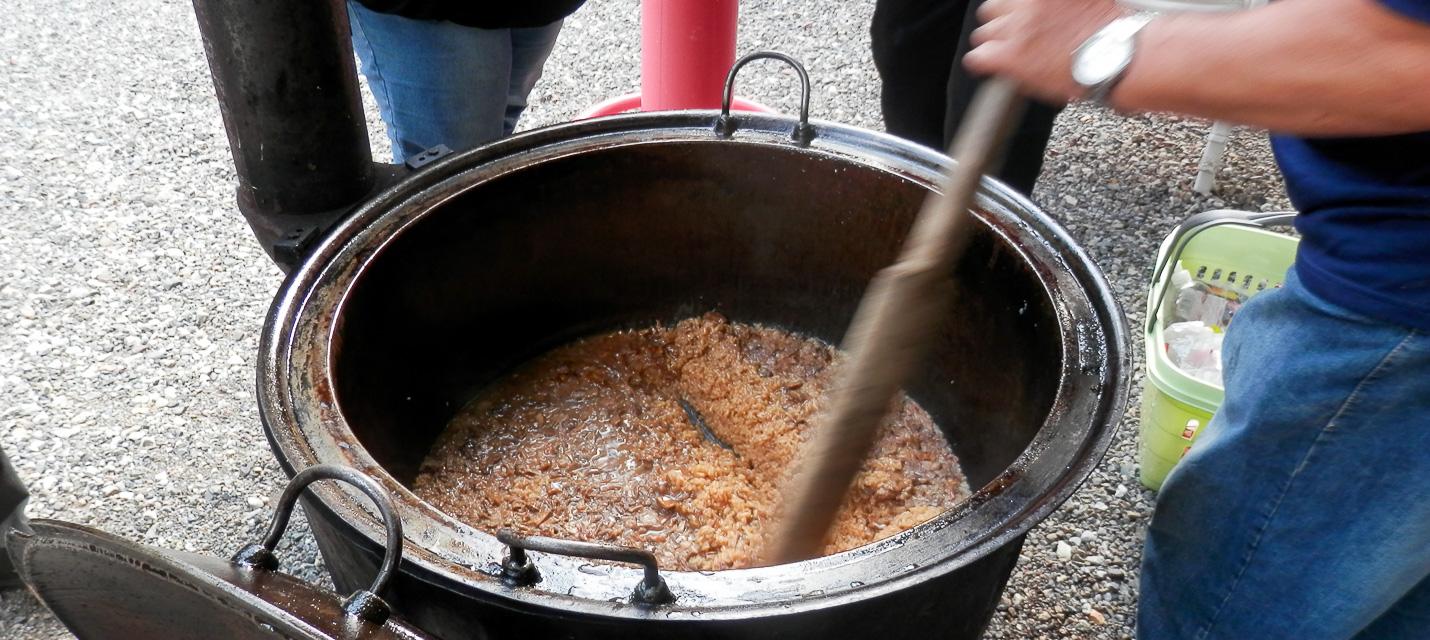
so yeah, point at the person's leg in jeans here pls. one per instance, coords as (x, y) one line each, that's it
(1302, 511)
(918, 48)
(529, 50)
(437, 82)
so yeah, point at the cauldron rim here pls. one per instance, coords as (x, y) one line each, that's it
(285, 421)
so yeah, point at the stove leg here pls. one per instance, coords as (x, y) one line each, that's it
(12, 516)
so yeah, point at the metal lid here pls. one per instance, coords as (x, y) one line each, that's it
(103, 586)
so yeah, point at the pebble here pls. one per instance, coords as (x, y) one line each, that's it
(1064, 551)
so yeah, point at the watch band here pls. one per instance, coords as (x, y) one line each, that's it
(1125, 28)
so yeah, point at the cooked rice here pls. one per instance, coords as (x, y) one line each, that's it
(589, 442)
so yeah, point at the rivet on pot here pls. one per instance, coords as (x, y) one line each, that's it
(517, 568)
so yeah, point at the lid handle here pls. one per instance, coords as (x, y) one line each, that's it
(519, 570)
(363, 603)
(803, 132)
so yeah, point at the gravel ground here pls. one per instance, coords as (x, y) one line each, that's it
(132, 295)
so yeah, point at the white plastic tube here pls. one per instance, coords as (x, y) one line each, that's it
(1211, 157)
(1220, 134)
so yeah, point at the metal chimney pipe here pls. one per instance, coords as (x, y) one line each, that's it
(287, 87)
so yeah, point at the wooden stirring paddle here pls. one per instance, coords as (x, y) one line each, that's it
(894, 322)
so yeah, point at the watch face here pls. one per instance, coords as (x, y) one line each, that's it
(1101, 60)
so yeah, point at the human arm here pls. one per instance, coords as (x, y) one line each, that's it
(1309, 67)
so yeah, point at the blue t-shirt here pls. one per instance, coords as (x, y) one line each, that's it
(1365, 215)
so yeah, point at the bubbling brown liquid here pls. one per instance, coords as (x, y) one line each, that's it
(590, 442)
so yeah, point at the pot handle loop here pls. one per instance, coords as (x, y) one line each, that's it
(519, 570)
(803, 132)
(363, 603)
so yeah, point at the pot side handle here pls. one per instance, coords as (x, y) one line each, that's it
(364, 604)
(518, 569)
(725, 125)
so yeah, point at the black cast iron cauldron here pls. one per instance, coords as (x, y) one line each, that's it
(447, 280)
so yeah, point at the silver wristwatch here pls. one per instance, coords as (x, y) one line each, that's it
(1102, 60)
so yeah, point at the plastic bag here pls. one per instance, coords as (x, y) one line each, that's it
(1196, 349)
(1198, 301)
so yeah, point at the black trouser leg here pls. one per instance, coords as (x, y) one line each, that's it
(914, 45)
(1024, 159)
(918, 48)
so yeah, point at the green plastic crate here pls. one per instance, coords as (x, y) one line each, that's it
(1218, 248)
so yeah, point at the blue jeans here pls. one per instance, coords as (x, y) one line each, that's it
(1304, 509)
(438, 82)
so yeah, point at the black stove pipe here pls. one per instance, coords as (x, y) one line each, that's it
(287, 86)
